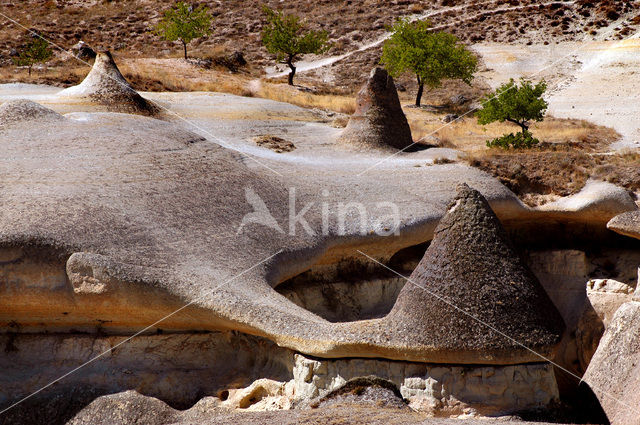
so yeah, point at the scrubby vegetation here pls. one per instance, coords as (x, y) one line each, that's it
(431, 56)
(286, 37)
(523, 140)
(184, 23)
(36, 50)
(539, 176)
(569, 153)
(517, 104)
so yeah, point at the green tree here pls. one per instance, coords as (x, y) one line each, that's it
(431, 56)
(518, 104)
(287, 38)
(35, 51)
(184, 23)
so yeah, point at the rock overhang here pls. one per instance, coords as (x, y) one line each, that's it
(145, 206)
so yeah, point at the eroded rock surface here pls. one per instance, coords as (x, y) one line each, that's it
(613, 373)
(472, 280)
(117, 410)
(597, 201)
(627, 224)
(177, 368)
(112, 222)
(106, 86)
(439, 390)
(378, 121)
(605, 296)
(21, 110)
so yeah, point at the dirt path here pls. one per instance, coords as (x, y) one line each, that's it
(302, 66)
(605, 90)
(598, 81)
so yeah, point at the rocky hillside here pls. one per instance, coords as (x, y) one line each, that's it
(125, 26)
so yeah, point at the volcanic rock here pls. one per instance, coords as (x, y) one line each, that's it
(472, 296)
(106, 86)
(613, 373)
(437, 389)
(364, 390)
(378, 121)
(20, 110)
(125, 408)
(83, 51)
(605, 296)
(627, 224)
(598, 201)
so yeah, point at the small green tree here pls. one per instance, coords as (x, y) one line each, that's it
(286, 37)
(517, 104)
(184, 23)
(431, 56)
(35, 51)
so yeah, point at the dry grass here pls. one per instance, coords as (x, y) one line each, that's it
(467, 135)
(285, 93)
(571, 151)
(63, 76)
(178, 75)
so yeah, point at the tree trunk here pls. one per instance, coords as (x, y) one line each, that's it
(293, 70)
(523, 125)
(420, 91)
(419, 95)
(184, 45)
(29, 70)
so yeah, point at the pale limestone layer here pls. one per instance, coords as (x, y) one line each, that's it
(586, 304)
(605, 296)
(244, 372)
(179, 369)
(439, 390)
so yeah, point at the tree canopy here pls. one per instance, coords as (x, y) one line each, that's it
(431, 56)
(184, 23)
(286, 37)
(517, 104)
(35, 51)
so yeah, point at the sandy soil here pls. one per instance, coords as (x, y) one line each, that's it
(597, 80)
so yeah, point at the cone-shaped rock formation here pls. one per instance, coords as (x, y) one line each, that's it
(20, 110)
(105, 85)
(471, 267)
(378, 120)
